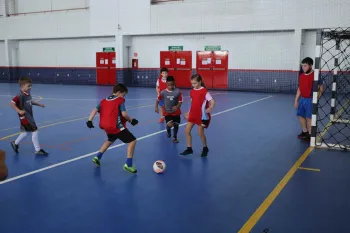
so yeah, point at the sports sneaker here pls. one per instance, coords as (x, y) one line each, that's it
(129, 169)
(205, 152)
(14, 146)
(306, 138)
(175, 140)
(168, 134)
(41, 152)
(187, 152)
(303, 134)
(96, 160)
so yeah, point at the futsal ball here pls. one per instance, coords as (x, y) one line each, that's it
(3, 168)
(159, 166)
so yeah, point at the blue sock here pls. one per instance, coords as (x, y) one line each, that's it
(99, 155)
(129, 162)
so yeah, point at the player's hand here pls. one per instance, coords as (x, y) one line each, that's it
(175, 108)
(134, 122)
(208, 110)
(156, 110)
(42, 105)
(21, 112)
(295, 104)
(89, 124)
(186, 116)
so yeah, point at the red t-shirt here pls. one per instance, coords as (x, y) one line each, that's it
(161, 84)
(306, 84)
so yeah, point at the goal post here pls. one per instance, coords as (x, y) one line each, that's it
(331, 110)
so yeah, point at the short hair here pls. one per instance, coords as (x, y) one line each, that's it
(164, 69)
(307, 60)
(170, 79)
(24, 80)
(120, 88)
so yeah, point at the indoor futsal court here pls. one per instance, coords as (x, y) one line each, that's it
(278, 136)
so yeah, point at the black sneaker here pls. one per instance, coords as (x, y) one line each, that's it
(306, 138)
(41, 152)
(14, 146)
(303, 134)
(205, 152)
(187, 152)
(175, 140)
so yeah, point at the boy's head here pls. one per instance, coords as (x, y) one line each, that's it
(170, 83)
(164, 72)
(307, 64)
(25, 83)
(120, 90)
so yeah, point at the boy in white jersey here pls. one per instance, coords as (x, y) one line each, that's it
(172, 99)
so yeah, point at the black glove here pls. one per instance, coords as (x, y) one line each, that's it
(134, 122)
(89, 124)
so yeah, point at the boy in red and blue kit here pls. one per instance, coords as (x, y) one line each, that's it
(161, 86)
(303, 98)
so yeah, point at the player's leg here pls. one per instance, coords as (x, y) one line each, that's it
(188, 135)
(15, 144)
(301, 113)
(35, 140)
(205, 124)
(110, 140)
(176, 123)
(127, 137)
(169, 125)
(308, 108)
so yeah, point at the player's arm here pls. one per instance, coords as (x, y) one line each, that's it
(211, 102)
(320, 87)
(93, 113)
(297, 96)
(37, 104)
(126, 115)
(157, 103)
(157, 88)
(14, 103)
(179, 101)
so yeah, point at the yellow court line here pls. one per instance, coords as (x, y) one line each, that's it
(63, 122)
(309, 169)
(248, 226)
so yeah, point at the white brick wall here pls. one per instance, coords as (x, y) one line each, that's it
(272, 50)
(62, 52)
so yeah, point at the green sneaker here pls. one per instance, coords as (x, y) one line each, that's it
(96, 161)
(129, 169)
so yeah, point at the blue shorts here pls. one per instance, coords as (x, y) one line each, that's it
(161, 103)
(305, 107)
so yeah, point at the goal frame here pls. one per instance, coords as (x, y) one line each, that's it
(332, 34)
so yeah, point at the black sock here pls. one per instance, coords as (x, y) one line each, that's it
(176, 129)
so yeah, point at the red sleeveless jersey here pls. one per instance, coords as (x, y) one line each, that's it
(198, 106)
(162, 85)
(111, 119)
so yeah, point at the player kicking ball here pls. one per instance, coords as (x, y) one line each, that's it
(172, 99)
(113, 117)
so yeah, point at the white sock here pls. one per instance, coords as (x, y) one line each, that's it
(35, 139)
(21, 137)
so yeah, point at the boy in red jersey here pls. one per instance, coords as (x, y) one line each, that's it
(160, 86)
(199, 113)
(113, 117)
(172, 99)
(304, 104)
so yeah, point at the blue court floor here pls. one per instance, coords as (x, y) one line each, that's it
(252, 141)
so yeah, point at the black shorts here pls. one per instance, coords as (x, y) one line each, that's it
(125, 136)
(175, 119)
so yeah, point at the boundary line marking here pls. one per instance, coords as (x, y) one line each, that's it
(119, 145)
(248, 226)
(309, 169)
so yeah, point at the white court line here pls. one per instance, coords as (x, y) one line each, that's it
(119, 145)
